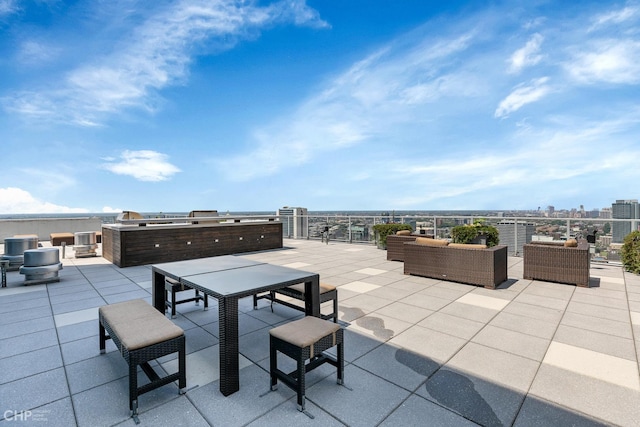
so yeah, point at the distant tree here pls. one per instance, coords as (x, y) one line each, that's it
(607, 228)
(631, 252)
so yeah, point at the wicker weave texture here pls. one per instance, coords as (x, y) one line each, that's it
(395, 248)
(141, 357)
(296, 380)
(556, 263)
(484, 267)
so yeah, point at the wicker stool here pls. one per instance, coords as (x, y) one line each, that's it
(302, 340)
(173, 286)
(327, 293)
(142, 334)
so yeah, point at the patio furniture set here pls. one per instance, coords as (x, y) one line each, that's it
(567, 262)
(143, 333)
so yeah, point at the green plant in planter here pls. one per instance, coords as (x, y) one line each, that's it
(630, 252)
(469, 233)
(383, 230)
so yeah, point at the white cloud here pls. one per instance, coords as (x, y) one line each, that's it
(156, 55)
(36, 52)
(563, 158)
(109, 209)
(143, 165)
(625, 14)
(609, 61)
(522, 95)
(374, 94)
(527, 55)
(18, 201)
(7, 7)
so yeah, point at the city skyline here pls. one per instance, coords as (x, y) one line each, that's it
(368, 105)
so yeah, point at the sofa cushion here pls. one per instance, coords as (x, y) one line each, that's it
(571, 243)
(403, 232)
(431, 242)
(467, 245)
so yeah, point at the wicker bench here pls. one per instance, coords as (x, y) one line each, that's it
(302, 340)
(327, 293)
(485, 267)
(172, 286)
(554, 262)
(142, 334)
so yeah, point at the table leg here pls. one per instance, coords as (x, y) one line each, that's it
(157, 291)
(312, 297)
(229, 348)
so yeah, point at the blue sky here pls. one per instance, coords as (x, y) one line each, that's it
(165, 106)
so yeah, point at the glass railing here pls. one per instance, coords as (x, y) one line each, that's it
(604, 234)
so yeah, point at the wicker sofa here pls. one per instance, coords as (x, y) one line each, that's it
(395, 242)
(458, 263)
(555, 262)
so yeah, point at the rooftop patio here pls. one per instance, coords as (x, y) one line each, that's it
(419, 351)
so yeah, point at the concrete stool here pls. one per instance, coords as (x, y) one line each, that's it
(41, 265)
(302, 340)
(85, 244)
(14, 248)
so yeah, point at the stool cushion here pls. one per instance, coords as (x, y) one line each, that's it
(324, 288)
(304, 332)
(137, 324)
(175, 283)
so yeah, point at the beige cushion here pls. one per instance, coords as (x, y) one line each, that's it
(403, 232)
(431, 242)
(176, 284)
(137, 324)
(305, 332)
(467, 245)
(324, 288)
(571, 243)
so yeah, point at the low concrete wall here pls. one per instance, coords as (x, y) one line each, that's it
(43, 227)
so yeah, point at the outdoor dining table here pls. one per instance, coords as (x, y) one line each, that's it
(229, 278)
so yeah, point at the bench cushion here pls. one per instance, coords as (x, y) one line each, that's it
(467, 245)
(324, 288)
(304, 332)
(431, 242)
(137, 324)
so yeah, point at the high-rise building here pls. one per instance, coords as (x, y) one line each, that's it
(623, 209)
(515, 236)
(295, 222)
